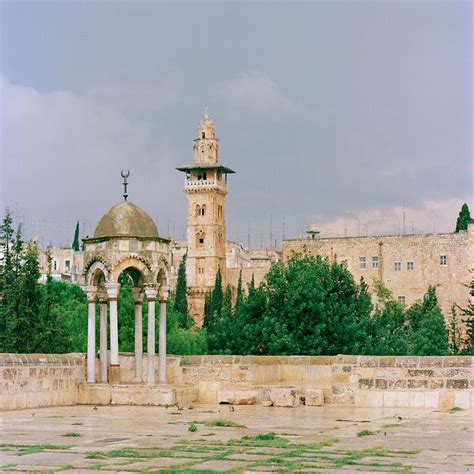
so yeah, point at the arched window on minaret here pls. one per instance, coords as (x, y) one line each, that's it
(203, 210)
(198, 210)
(200, 239)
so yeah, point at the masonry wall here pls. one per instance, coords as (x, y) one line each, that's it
(40, 380)
(423, 250)
(28, 381)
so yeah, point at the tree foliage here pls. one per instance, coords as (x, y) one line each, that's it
(75, 242)
(464, 218)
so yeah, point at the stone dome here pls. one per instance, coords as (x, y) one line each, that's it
(126, 220)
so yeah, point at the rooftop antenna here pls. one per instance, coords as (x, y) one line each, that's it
(404, 217)
(125, 174)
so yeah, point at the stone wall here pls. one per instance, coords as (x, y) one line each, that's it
(368, 381)
(40, 380)
(393, 253)
(365, 381)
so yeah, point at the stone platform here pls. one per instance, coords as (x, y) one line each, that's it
(126, 394)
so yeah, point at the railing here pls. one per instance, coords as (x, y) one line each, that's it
(205, 184)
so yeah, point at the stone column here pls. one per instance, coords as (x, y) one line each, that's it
(91, 295)
(103, 338)
(138, 299)
(151, 296)
(112, 295)
(162, 341)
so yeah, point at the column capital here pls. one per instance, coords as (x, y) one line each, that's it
(164, 293)
(91, 292)
(102, 295)
(112, 290)
(137, 295)
(150, 291)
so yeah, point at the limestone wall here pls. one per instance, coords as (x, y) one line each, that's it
(392, 255)
(40, 380)
(365, 381)
(369, 381)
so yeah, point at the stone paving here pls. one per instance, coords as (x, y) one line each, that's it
(252, 439)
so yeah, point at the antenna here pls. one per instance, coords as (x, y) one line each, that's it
(283, 228)
(404, 217)
(271, 230)
(125, 174)
(248, 233)
(206, 110)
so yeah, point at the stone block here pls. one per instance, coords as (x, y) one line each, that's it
(446, 400)
(381, 384)
(436, 383)
(284, 396)
(397, 384)
(267, 403)
(431, 399)
(403, 399)
(368, 399)
(314, 397)
(462, 400)
(366, 384)
(417, 399)
(94, 394)
(415, 384)
(389, 399)
(457, 384)
(237, 397)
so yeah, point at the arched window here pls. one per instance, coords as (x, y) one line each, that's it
(198, 210)
(202, 210)
(203, 135)
(200, 239)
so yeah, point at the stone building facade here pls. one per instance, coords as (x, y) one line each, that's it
(406, 264)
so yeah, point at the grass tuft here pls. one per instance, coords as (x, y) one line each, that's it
(455, 409)
(71, 435)
(365, 433)
(391, 425)
(224, 423)
(192, 427)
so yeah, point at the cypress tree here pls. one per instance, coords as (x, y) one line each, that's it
(217, 294)
(181, 301)
(75, 242)
(464, 218)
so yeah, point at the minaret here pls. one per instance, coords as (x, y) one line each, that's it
(206, 187)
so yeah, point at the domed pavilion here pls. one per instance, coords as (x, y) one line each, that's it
(126, 244)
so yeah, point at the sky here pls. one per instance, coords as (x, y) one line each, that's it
(348, 114)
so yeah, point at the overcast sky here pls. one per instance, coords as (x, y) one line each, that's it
(333, 112)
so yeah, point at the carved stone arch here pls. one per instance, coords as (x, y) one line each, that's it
(162, 275)
(97, 273)
(142, 272)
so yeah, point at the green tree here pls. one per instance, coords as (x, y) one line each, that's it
(468, 313)
(75, 242)
(181, 299)
(52, 335)
(455, 339)
(213, 303)
(464, 218)
(428, 334)
(314, 307)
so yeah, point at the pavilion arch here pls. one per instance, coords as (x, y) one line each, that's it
(136, 268)
(97, 274)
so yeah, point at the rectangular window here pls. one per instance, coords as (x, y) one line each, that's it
(55, 265)
(68, 265)
(375, 262)
(397, 266)
(362, 262)
(443, 260)
(401, 299)
(410, 266)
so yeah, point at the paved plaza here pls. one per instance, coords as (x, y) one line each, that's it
(252, 439)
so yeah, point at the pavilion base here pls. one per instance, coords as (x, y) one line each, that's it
(126, 394)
